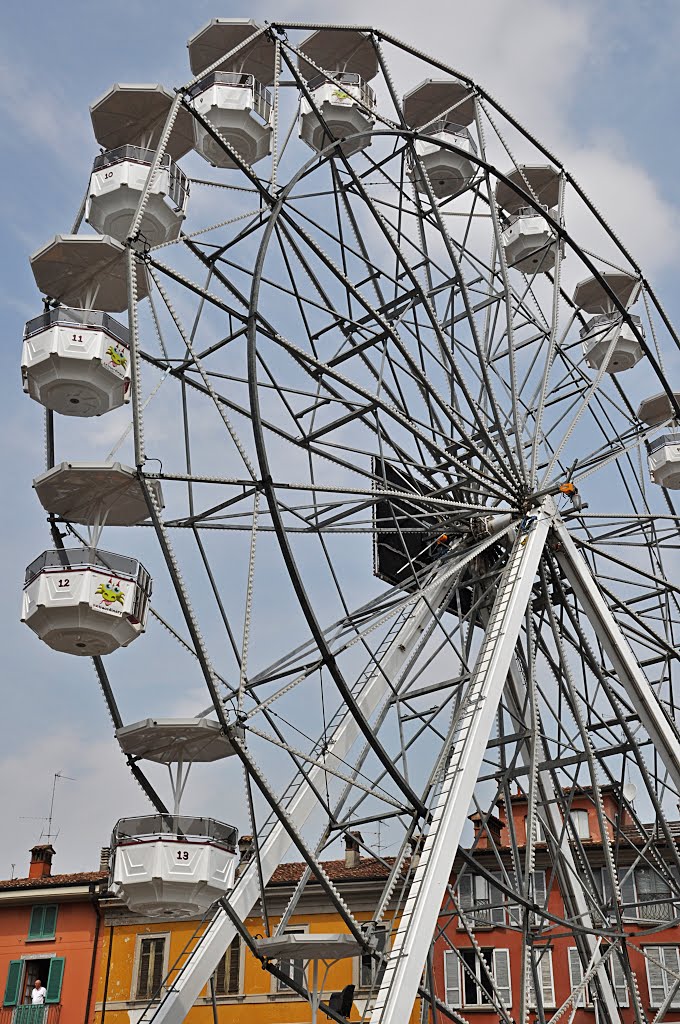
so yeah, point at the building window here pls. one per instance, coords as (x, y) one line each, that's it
(22, 975)
(663, 968)
(540, 831)
(576, 978)
(295, 969)
(654, 896)
(150, 970)
(370, 971)
(615, 973)
(544, 969)
(480, 900)
(467, 983)
(579, 819)
(227, 977)
(43, 922)
(485, 905)
(645, 894)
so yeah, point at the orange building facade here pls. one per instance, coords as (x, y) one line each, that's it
(49, 929)
(651, 921)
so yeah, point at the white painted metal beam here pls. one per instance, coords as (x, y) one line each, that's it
(471, 732)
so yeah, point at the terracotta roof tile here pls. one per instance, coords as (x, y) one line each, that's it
(366, 870)
(79, 878)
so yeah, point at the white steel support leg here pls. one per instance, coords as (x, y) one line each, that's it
(472, 729)
(575, 902)
(195, 974)
(657, 724)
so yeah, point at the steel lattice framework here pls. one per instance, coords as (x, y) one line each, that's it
(335, 368)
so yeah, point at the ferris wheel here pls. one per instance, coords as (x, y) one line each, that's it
(401, 453)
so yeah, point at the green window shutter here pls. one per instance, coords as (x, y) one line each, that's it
(49, 928)
(13, 983)
(43, 923)
(55, 977)
(234, 979)
(35, 927)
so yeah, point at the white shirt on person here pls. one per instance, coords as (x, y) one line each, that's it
(38, 995)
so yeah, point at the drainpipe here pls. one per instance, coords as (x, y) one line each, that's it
(95, 903)
(106, 979)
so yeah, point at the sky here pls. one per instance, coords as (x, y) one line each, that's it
(595, 80)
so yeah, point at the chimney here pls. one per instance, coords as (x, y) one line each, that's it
(105, 858)
(41, 860)
(488, 835)
(352, 849)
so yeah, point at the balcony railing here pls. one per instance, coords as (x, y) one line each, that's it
(64, 559)
(449, 128)
(662, 441)
(179, 183)
(351, 80)
(29, 1014)
(150, 825)
(525, 212)
(262, 98)
(601, 323)
(64, 316)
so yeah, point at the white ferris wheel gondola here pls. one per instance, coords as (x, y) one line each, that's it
(608, 336)
(233, 98)
(75, 357)
(174, 865)
(85, 601)
(128, 121)
(442, 109)
(663, 452)
(344, 108)
(529, 240)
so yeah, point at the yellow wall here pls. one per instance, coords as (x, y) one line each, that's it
(259, 1001)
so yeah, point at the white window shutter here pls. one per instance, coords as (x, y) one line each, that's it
(655, 975)
(619, 979)
(501, 974)
(628, 892)
(482, 916)
(452, 977)
(546, 975)
(466, 896)
(497, 901)
(539, 893)
(576, 975)
(670, 957)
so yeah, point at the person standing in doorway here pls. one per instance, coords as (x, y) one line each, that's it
(38, 993)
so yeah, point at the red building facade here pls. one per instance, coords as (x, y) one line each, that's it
(49, 929)
(489, 929)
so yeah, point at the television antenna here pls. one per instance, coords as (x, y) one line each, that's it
(49, 835)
